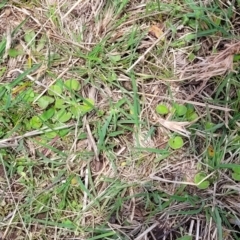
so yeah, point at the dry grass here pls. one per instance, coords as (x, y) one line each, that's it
(113, 176)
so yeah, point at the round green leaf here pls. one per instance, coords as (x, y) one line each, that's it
(86, 106)
(29, 38)
(65, 118)
(236, 169)
(54, 90)
(191, 117)
(175, 142)
(73, 84)
(62, 116)
(35, 122)
(41, 43)
(198, 178)
(236, 176)
(81, 109)
(59, 103)
(44, 101)
(180, 109)
(162, 109)
(74, 109)
(14, 52)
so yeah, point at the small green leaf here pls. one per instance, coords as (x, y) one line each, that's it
(75, 110)
(81, 109)
(209, 125)
(68, 224)
(59, 103)
(62, 116)
(236, 57)
(47, 114)
(65, 117)
(3, 3)
(54, 90)
(41, 43)
(87, 107)
(162, 109)
(20, 169)
(189, 37)
(28, 95)
(191, 114)
(236, 176)
(198, 178)
(191, 117)
(190, 108)
(161, 157)
(73, 84)
(29, 38)
(180, 109)
(175, 142)
(115, 58)
(204, 185)
(35, 122)
(44, 101)
(51, 134)
(2, 71)
(14, 52)
(63, 132)
(82, 136)
(236, 169)
(191, 57)
(89, 102)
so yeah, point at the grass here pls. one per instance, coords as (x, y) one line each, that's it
(84, 153)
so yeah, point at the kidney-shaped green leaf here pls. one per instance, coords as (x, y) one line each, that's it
(73, 84)
(35, 122)
(62, 116)
(198, 178)
(180, 109)
(44, 101)
(54, 90)
(162, 109)
(236, 169)
(236, 176)
(175, 142)
(59, 103)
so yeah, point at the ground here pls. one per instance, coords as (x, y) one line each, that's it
(119, 119)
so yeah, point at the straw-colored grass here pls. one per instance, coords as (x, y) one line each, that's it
(109, 171)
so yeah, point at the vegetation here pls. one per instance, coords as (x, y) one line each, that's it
(119, 119)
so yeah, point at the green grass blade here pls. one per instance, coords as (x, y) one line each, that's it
(219, 224)
(23, 75)
(102, 132)
(102, 236)
(3, 3)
